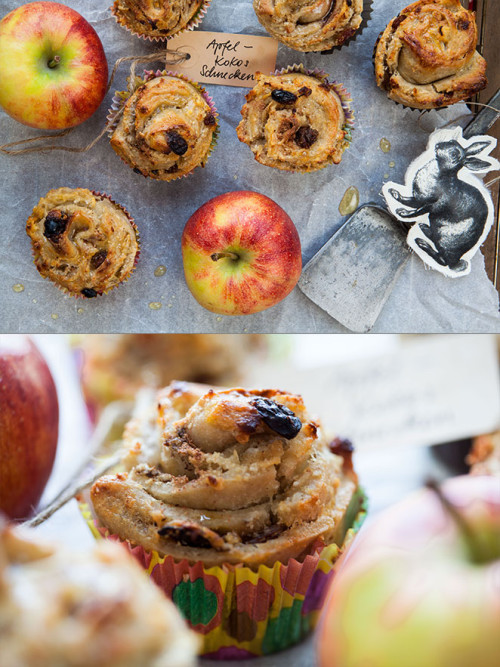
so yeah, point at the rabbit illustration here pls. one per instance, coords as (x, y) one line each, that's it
(457, 206)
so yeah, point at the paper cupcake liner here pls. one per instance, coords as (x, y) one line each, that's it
(366, 16)
(190, 25)
(121, 97)
(243, 613)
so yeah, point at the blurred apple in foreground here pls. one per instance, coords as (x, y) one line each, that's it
(417, 590)
(29, 418)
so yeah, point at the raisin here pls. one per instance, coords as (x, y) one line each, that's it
(268, 533)
(278, 417)
(97, 259)
(209, 119)
(191, 535)
(305, 136)
(463, 24)
(343, 447)
(176, 143)
(55, 225)
(283, 96)
(89, 292)
(305, 91)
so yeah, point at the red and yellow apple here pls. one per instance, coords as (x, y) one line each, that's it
(241, 253)
(29, 422)
(421, 586)
(53, 70)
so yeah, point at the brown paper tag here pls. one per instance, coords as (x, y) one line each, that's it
(224, 58)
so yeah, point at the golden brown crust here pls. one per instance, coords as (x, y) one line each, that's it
(310, 25)
(156, 18)
(426, 56)
(82, 241)
(222, 485)
(294, 122)
(166, 129)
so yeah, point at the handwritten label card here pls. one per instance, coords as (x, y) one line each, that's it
(224, 58)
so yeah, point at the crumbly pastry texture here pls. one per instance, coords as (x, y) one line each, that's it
(294, 121)
(166, 129)
(82, 241)
(310, 25)
(84, 609)
(426, 57)
(156, 18)
(227, 476)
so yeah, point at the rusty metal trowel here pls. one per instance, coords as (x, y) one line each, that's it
(353, 274)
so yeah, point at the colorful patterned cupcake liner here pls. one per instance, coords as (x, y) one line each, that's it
(239, 612)
(192, 24)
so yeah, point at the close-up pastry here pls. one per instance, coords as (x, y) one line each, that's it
(167, 128)
(83, 609)
(310, 25)
(82, 241)
(296, 121)
(158, 18)
(426, 58)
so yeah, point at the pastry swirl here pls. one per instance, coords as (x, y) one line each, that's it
(156, 18)
(166, 129)
(231, 476)
(82, 241)
(310, 25)
(294, 122)
(426, 57)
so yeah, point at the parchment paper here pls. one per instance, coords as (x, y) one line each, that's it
(423, 300)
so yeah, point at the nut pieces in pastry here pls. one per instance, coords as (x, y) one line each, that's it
(156, 18)
(227, 476)
(83, 241)
(166, 129)
(294, 122)
(310, 25)
(426, 58)
(84, 609)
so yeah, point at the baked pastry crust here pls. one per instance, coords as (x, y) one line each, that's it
(426, 57)
(156, 18)
(209, 480)
(82, 241)
(310, 25)
(166, 129)
(84, 609)
(294, 122)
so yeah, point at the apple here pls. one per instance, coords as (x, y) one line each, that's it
(241, 253)
(29, 418)
(53, 70)
(421, 586)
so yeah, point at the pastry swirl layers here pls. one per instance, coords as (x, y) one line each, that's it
(82, 241)
(426, 57)
(294, 121)
(310, 25)
(156, 18)
(229, 476)
(166, 129)
(86, 609)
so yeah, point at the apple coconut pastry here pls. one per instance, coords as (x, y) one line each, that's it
(426, 58)
(310, 25)
(159, 19)
(82, 241)
(167, 129)
(84, 609)
(296, 121)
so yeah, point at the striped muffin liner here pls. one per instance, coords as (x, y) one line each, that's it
(192, 24)
(121, 97)
(243, 613)
(79, 295)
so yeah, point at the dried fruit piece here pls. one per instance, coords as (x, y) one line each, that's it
(305, 136)
(192, 535)
(55, 225)
(176, 143)
(278, 417)
(268, 533)
(89, 292)
(97, 259)
(283, 96)
(209, 119)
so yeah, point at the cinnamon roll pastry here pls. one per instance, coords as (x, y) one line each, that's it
(310, 25)
(227, 476)
(84, 609)
(426, 58)
(156, 18)
(166, 129)
(294, 121)
(83, 241)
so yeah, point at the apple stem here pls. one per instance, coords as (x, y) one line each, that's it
(54, 62)
(220, 255)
